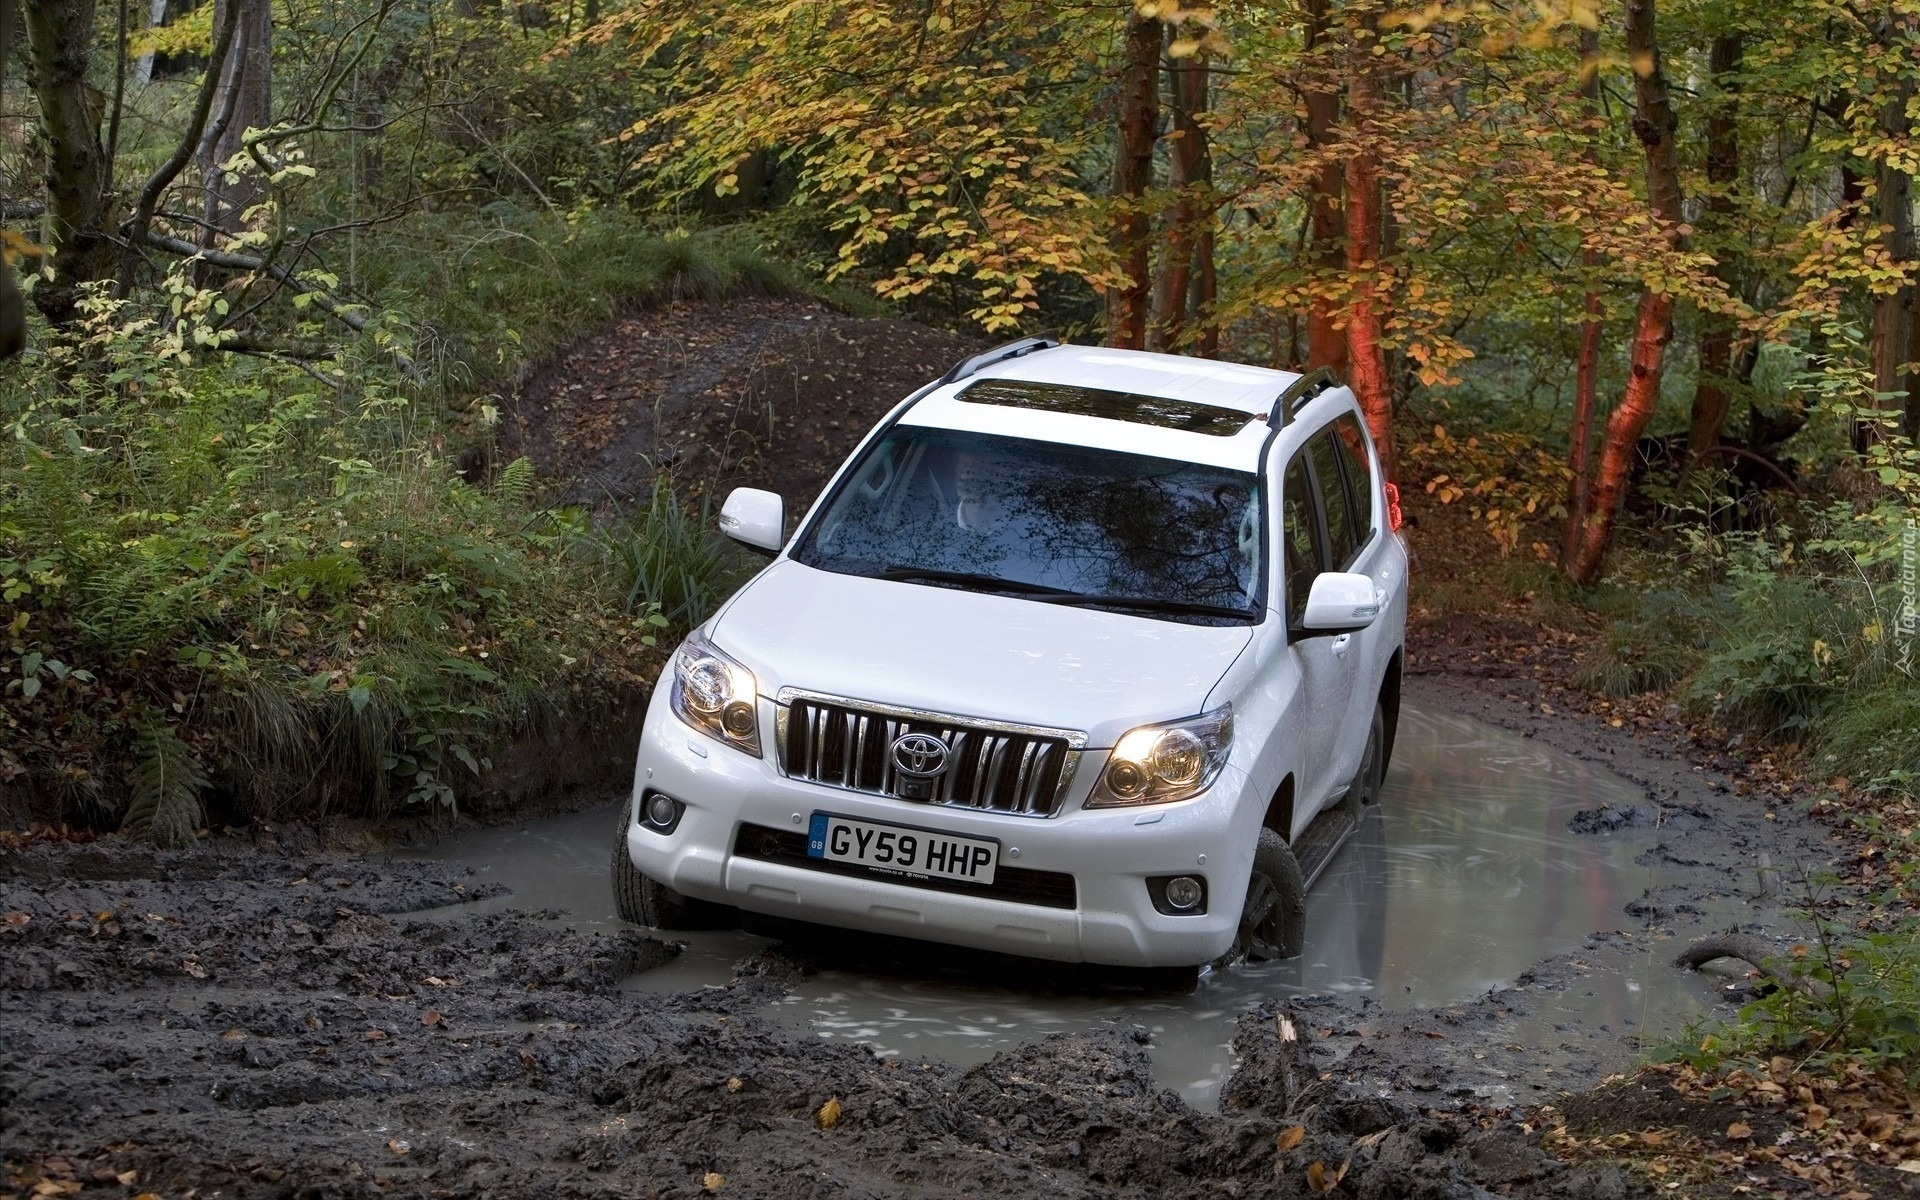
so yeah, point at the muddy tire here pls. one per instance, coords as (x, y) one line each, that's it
(643, 901)
(1273, 919)
(1365, 788)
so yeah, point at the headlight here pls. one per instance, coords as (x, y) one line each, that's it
(1157, 764)
(716, 695)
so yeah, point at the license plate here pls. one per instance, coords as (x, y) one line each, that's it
(897, 848)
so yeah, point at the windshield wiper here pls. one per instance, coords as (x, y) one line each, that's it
(975, 581)
(1150, 604)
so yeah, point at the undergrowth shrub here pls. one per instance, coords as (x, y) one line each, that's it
(672, 556)
(228, 584)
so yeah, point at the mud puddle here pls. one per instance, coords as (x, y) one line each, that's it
(1488, 855)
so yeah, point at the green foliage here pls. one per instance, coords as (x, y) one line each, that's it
(1509, 482)
(487, 295)
(1859, 1001)
(227, 565)
(166, 786)
(669, 558)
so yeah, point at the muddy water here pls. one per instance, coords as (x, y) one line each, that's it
(1463, 877)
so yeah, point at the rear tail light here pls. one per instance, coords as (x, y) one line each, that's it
(1393, 508)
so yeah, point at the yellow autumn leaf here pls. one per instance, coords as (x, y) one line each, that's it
(714, 1181)
(829, 1114)
(1289, 1137)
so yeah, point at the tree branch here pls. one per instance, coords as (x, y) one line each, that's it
(1754, 952)
(227, 260)
(140, 227)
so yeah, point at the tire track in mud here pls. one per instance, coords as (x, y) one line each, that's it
(239, 1021)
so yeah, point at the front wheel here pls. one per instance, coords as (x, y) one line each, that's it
(1365, 788)
(1273, 920)
(643, 901)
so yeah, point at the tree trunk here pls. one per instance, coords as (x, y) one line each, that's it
(143, 68)
(1586, 371)
(1366, 353)
(60, 45)
(1893, 312)
(243, 101)
(1139, 125)
(1653, 124)
(1326, 344)
(1712, 395)
(1174, 303)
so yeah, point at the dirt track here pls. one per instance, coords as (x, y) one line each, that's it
(260, 1019)
(250, 1022)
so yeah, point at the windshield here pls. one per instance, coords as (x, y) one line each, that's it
(1055, 523)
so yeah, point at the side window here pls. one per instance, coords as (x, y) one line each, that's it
(1301, 534)
(1360, 486)
(1342, 537)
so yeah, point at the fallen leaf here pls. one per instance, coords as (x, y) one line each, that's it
(829, 1114)
(735, 1083)
(1911, 1166)
(398, 1146)
(430, 1017)
(1289, 1137)
(126, 1178)
(1816, 1115)
(1739, 1131)
(1653, 1137)
(526, 1058)
(15, 919)
(1322, 1180)
(376, 1035)
(714, 1181)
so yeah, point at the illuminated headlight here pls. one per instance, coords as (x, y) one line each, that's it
(1157, 764)
(716, 695)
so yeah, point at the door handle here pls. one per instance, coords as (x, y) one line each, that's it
(1341, 645)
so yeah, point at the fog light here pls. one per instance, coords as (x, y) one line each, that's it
(737, 719)
(1184, 891)
(661, 810)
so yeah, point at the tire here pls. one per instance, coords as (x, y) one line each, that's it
(1365, 788)
(1273, 918)
(643, 901)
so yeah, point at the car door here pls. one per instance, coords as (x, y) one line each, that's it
(1326, 671)
(1375, 555)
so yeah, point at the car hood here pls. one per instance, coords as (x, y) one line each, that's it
(969, 653)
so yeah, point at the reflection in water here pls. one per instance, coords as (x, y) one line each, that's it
(1466, 875)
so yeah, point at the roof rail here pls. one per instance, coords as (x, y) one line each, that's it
(1299, 392)
(1013, 349)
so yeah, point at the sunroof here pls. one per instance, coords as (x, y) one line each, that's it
(1114, 406)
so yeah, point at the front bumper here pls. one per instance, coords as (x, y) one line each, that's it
(734, 803)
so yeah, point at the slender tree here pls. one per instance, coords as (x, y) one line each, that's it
(1654, 126)
(1138, 129)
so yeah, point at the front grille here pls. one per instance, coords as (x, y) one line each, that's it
(1017, 769)
(1048, 889)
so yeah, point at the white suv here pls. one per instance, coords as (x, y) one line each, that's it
(1084, 654)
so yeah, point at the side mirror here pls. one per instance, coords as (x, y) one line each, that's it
(754, 518)
(1339, 602)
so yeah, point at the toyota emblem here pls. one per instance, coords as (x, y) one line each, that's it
(920, 755)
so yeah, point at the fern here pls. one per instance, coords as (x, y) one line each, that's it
(166, 788)
(516, 481)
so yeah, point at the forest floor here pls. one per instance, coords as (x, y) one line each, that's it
(267, 1016)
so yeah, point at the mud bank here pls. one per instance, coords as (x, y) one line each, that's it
(240, 1021)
